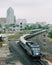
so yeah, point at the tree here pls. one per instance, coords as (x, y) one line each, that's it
(0, 26)
(50, 34)
(39, 26)
(30, 27)
(45, 27)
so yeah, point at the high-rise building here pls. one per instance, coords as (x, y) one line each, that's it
(10, 16)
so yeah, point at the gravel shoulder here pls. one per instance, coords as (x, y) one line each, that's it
(49, 63)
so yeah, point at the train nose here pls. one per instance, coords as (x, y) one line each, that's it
(37, 53)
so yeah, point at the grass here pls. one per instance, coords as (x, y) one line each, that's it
(48, 38)
(14, 36)
(3, 42)
(0, 44)
(17, 35)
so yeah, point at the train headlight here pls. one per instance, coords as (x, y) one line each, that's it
(33, 48)
(36, 53)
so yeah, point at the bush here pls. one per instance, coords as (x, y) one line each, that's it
(0, 44)
(50, 34)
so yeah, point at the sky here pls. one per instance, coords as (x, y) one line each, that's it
(32, 10)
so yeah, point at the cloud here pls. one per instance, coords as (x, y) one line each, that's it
(22, 3)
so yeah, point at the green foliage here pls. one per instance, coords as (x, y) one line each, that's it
(17, 35)
(50, 34)
(17, 25)
(3, 42)
(0, 26)
(30, 27)
(39, 26)
(45, 27)
(0, 44)
(14, 36)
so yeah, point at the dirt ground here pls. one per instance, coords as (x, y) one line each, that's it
(49, 63)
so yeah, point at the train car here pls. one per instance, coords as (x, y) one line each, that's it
(34, 31)
(23, 40)
(32, 49)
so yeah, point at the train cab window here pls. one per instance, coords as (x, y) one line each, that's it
(29, 43)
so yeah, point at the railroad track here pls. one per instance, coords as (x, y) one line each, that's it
(24, 56)
(20, 53)
(40, 62)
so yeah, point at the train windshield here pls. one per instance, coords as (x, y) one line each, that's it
(36, 49)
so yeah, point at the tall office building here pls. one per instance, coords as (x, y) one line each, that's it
(10, 16)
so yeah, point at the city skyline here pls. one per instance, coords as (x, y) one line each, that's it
(10, 16)
(32, 10)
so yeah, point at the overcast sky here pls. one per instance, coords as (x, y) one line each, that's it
(32, 10)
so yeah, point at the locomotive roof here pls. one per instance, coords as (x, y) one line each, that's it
(32, 45)
(22, 38)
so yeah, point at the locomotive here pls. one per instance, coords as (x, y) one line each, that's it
(32, 49)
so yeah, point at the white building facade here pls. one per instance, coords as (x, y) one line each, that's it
(21, 23)
(10, 16)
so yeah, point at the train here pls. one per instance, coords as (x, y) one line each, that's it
(34, 31)
(1, 38)
(32, 49)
